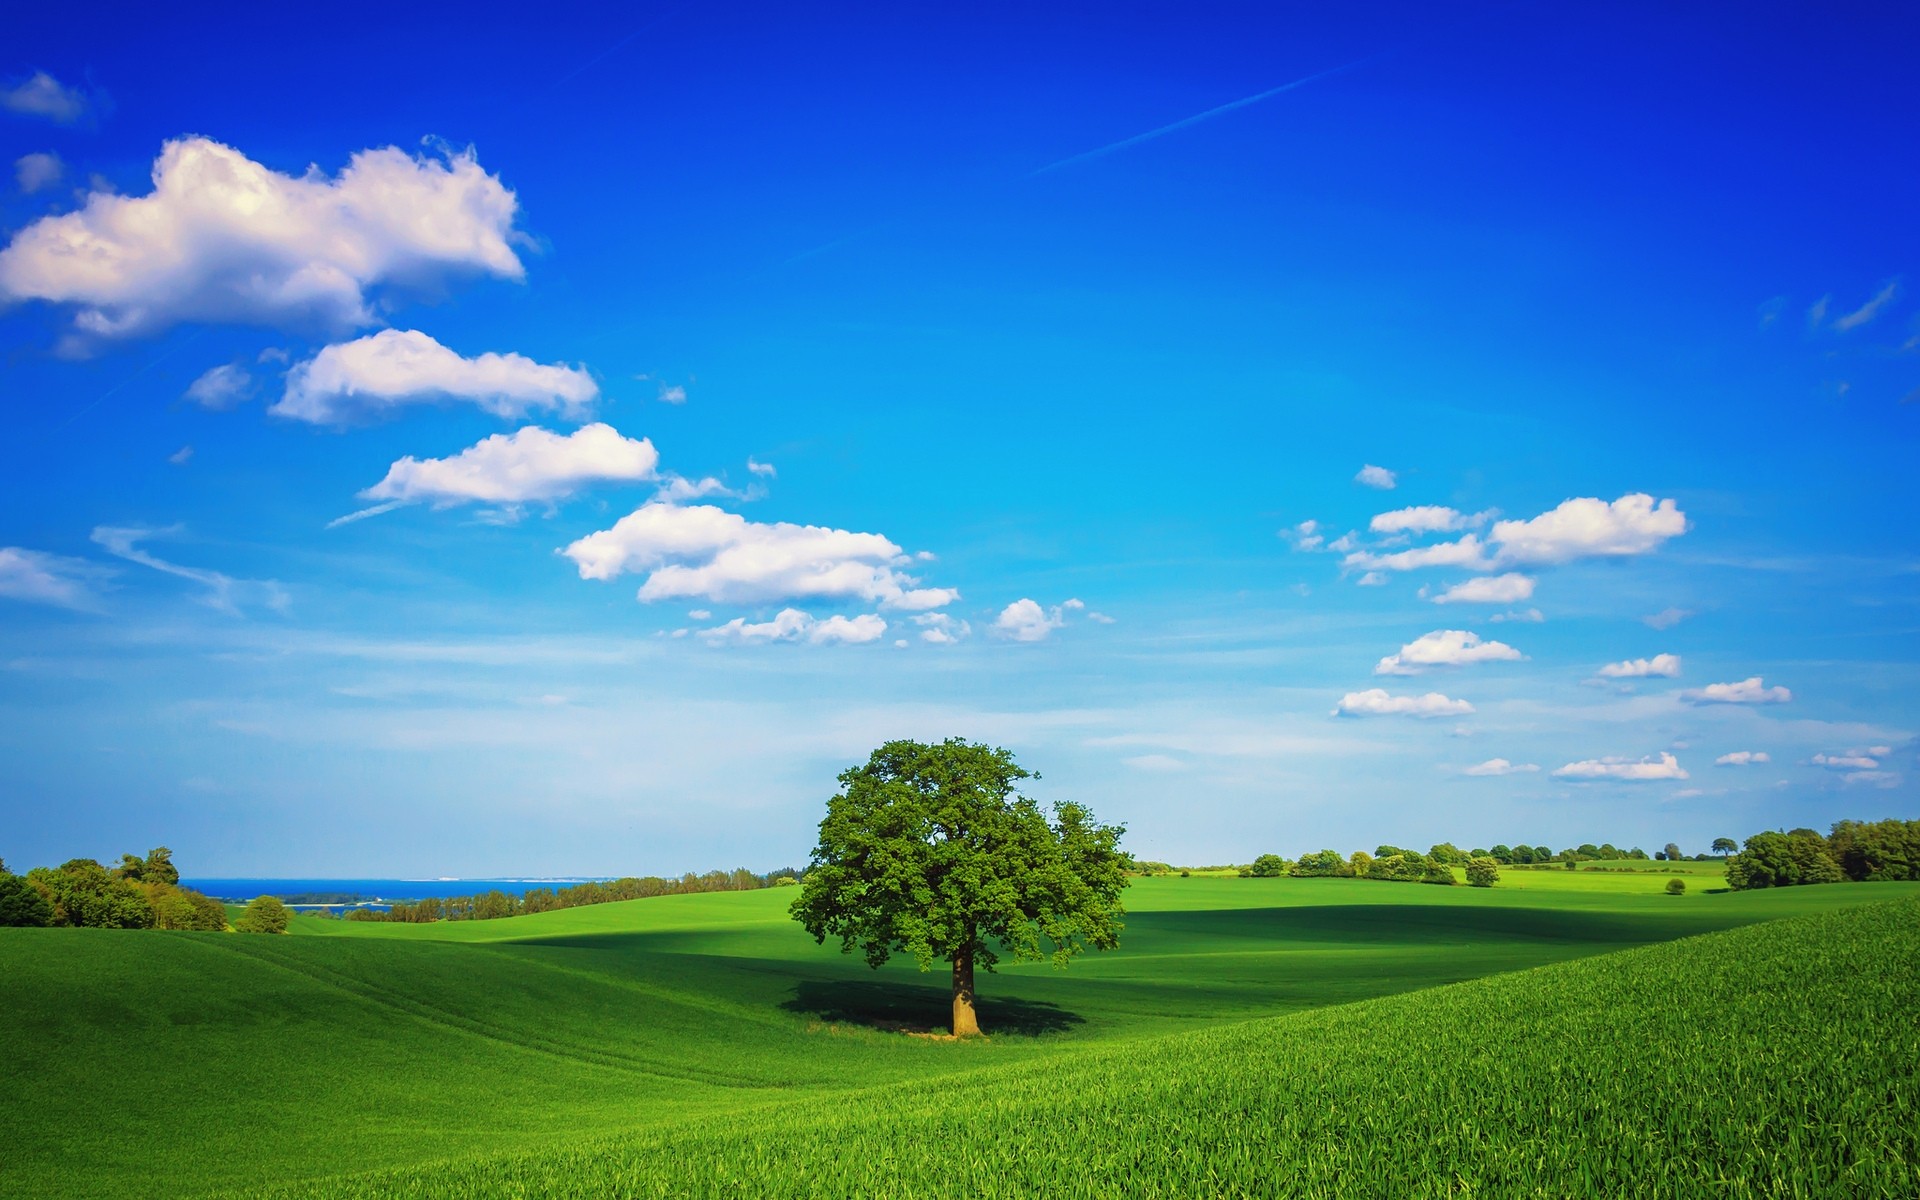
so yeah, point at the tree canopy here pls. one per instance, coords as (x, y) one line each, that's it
(928, 850)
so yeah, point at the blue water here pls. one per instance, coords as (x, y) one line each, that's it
(383, 891)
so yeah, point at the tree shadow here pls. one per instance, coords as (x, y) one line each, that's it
(908, 1008)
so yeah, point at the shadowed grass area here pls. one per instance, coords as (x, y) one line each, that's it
(202, 1061)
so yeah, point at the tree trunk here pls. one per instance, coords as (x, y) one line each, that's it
(965, 1022)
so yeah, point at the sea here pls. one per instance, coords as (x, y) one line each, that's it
(339, 894)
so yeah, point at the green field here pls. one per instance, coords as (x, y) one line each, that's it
(665, 1046)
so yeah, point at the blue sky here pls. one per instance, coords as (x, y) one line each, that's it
(1481, 440)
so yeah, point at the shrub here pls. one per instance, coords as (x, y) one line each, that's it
(1398, 868)
(785, 881)
(1483, 872)
(1268, 866)
(1438, 872)
(264, 914)
(1676, 887)
(1322, 864)
(22, 904)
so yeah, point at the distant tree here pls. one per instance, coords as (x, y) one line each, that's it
(1877, 851)
(1483, 871)
(1448, 853)
(82, 892)
(210, 916)
(1390, 851)
(784, 881)
(929, 851)
(1501, 854)
(1774, 859)
(1359, 863)
(1320, 864)
(1676, 887)
(263, 914)
(1673, 852)
(1268, 866)
(1542, 854)
(1398, 868)
(21, 904)
(1438, 872)
(1524, 856)
(1659, 856)
(1724, 846)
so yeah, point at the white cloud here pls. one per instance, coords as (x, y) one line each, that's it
(375, 374)
(1445, 648)
(224, 592)
(40, 578)
(1885, 779)
(1666, 618)
(35, 171)
(1510, 588)
(181, 457)
(1375, 702)
(1465, 552)
(677, 489)
(1499, 766)
(1025, 621)
(1588, 528)
(1846, 762)
(1667, 665)
(222, 387)
(1747, 691)
(940, 629)
(1529, 616)
(672, 393)
(1871, 309)
(222, 238)
(1628, 770)
(703, 552)
(1372, 579)
(1376, 477)
(531, 464)
(764, 470)
(41, 95)
(1743, 758)
(792, 625)
(1425, 518)
(1305, 536)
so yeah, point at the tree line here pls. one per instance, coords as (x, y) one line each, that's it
(140, 893)
(494, 904)
(1853, 851)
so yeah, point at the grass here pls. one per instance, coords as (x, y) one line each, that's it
(198, 1062)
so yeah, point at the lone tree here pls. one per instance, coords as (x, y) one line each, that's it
(928, 851)
(1724, 846)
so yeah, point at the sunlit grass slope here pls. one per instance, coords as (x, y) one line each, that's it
(1777, 1060)
(200, 1061)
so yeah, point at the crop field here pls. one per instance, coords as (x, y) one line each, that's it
(1250, 1036)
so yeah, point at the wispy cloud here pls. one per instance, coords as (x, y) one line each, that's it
(224, 592)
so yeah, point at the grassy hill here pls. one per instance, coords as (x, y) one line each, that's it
(196, 1062)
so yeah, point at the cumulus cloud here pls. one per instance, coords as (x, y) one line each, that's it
(41, 95)
(1025, 621)
(1466, 552)
(1666, 618)
(1445, 648)
(36, 577)
(792, 625)
(1666, 665)
(1305, 536)
(704, 552)
(1853, 760)
(1871, 309)
(1375, 702)
(223, 592)
(1743, 758)
(1628, 770)
(530, 464)
(222, 238)
(219, 388)
(376, 374)
(1589, 528)
(1499, 766)
(35, 171)
(1510, 588)
(940, 629)
(1425, 518)
(1747, 691)
(1376, 477)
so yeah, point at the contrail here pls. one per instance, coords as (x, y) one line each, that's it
(364, 513)
(1208, 115)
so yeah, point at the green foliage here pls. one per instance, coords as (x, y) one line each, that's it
(1877, 851)
(1268, 866)
(84, 893)
(1676, 887)
(1438, 872)
(1483, 871)
(1320, 864)
(1724, 846)
(1775, 859)
(1404, 867)
(1813, 1016)
(928, 851)
(1449, 854)
(264, 914)
(21, 904)
(1673, 853)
